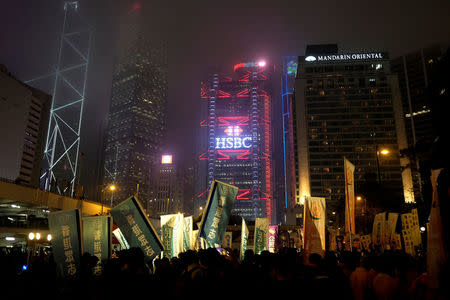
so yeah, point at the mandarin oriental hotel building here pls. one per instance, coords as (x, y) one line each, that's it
(347, 105)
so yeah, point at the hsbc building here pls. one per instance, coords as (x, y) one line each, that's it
(237, 136)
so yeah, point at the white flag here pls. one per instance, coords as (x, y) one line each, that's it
(244, 238)
(172, 233)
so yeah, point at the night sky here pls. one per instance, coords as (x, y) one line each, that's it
(204, 34)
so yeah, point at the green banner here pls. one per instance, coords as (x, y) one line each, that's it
(136, 228)
(166, 236)
(187, 231)
(261, 235)
(217, 212)
(66, 242)
(97, 239)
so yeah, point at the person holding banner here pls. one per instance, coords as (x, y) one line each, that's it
(65, 229)
(217, 213)
(137, 228)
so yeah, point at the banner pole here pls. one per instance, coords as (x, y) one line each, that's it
(351, 242)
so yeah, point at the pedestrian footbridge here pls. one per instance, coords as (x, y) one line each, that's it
(24, 209)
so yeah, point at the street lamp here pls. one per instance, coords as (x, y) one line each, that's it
(384, 152)
(112, 188)
(359, 198)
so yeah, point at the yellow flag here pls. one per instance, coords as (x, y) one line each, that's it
(313, 226)
(349, 169)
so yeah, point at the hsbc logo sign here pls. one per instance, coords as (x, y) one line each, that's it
(233, 143)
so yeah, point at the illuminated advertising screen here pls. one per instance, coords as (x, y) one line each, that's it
(166, 159)
(292, 67)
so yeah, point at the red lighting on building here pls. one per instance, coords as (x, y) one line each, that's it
(259, 64)
(136, 6)
(233, 130)
(245, 77)
(223, 94)
(239, 107)
(238, 66)
(244, 93)
(233, 154)
(243, 194)
(202, 193)
(233, 121)
(203, 156)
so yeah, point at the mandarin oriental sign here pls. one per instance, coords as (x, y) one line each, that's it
(341, 57)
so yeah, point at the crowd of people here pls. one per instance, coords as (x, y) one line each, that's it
(209, 273)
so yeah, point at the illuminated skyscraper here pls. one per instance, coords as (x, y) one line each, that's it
(347, 104)
(168, 186)
(238, 125)
(138, 110)
(287, 89)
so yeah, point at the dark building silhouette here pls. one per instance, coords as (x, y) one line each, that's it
(414, 75)
(138, 110)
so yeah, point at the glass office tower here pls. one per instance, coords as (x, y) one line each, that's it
(138, 110)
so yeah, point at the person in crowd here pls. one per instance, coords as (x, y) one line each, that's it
(386, 282)
(360, 280)
(387, 275)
